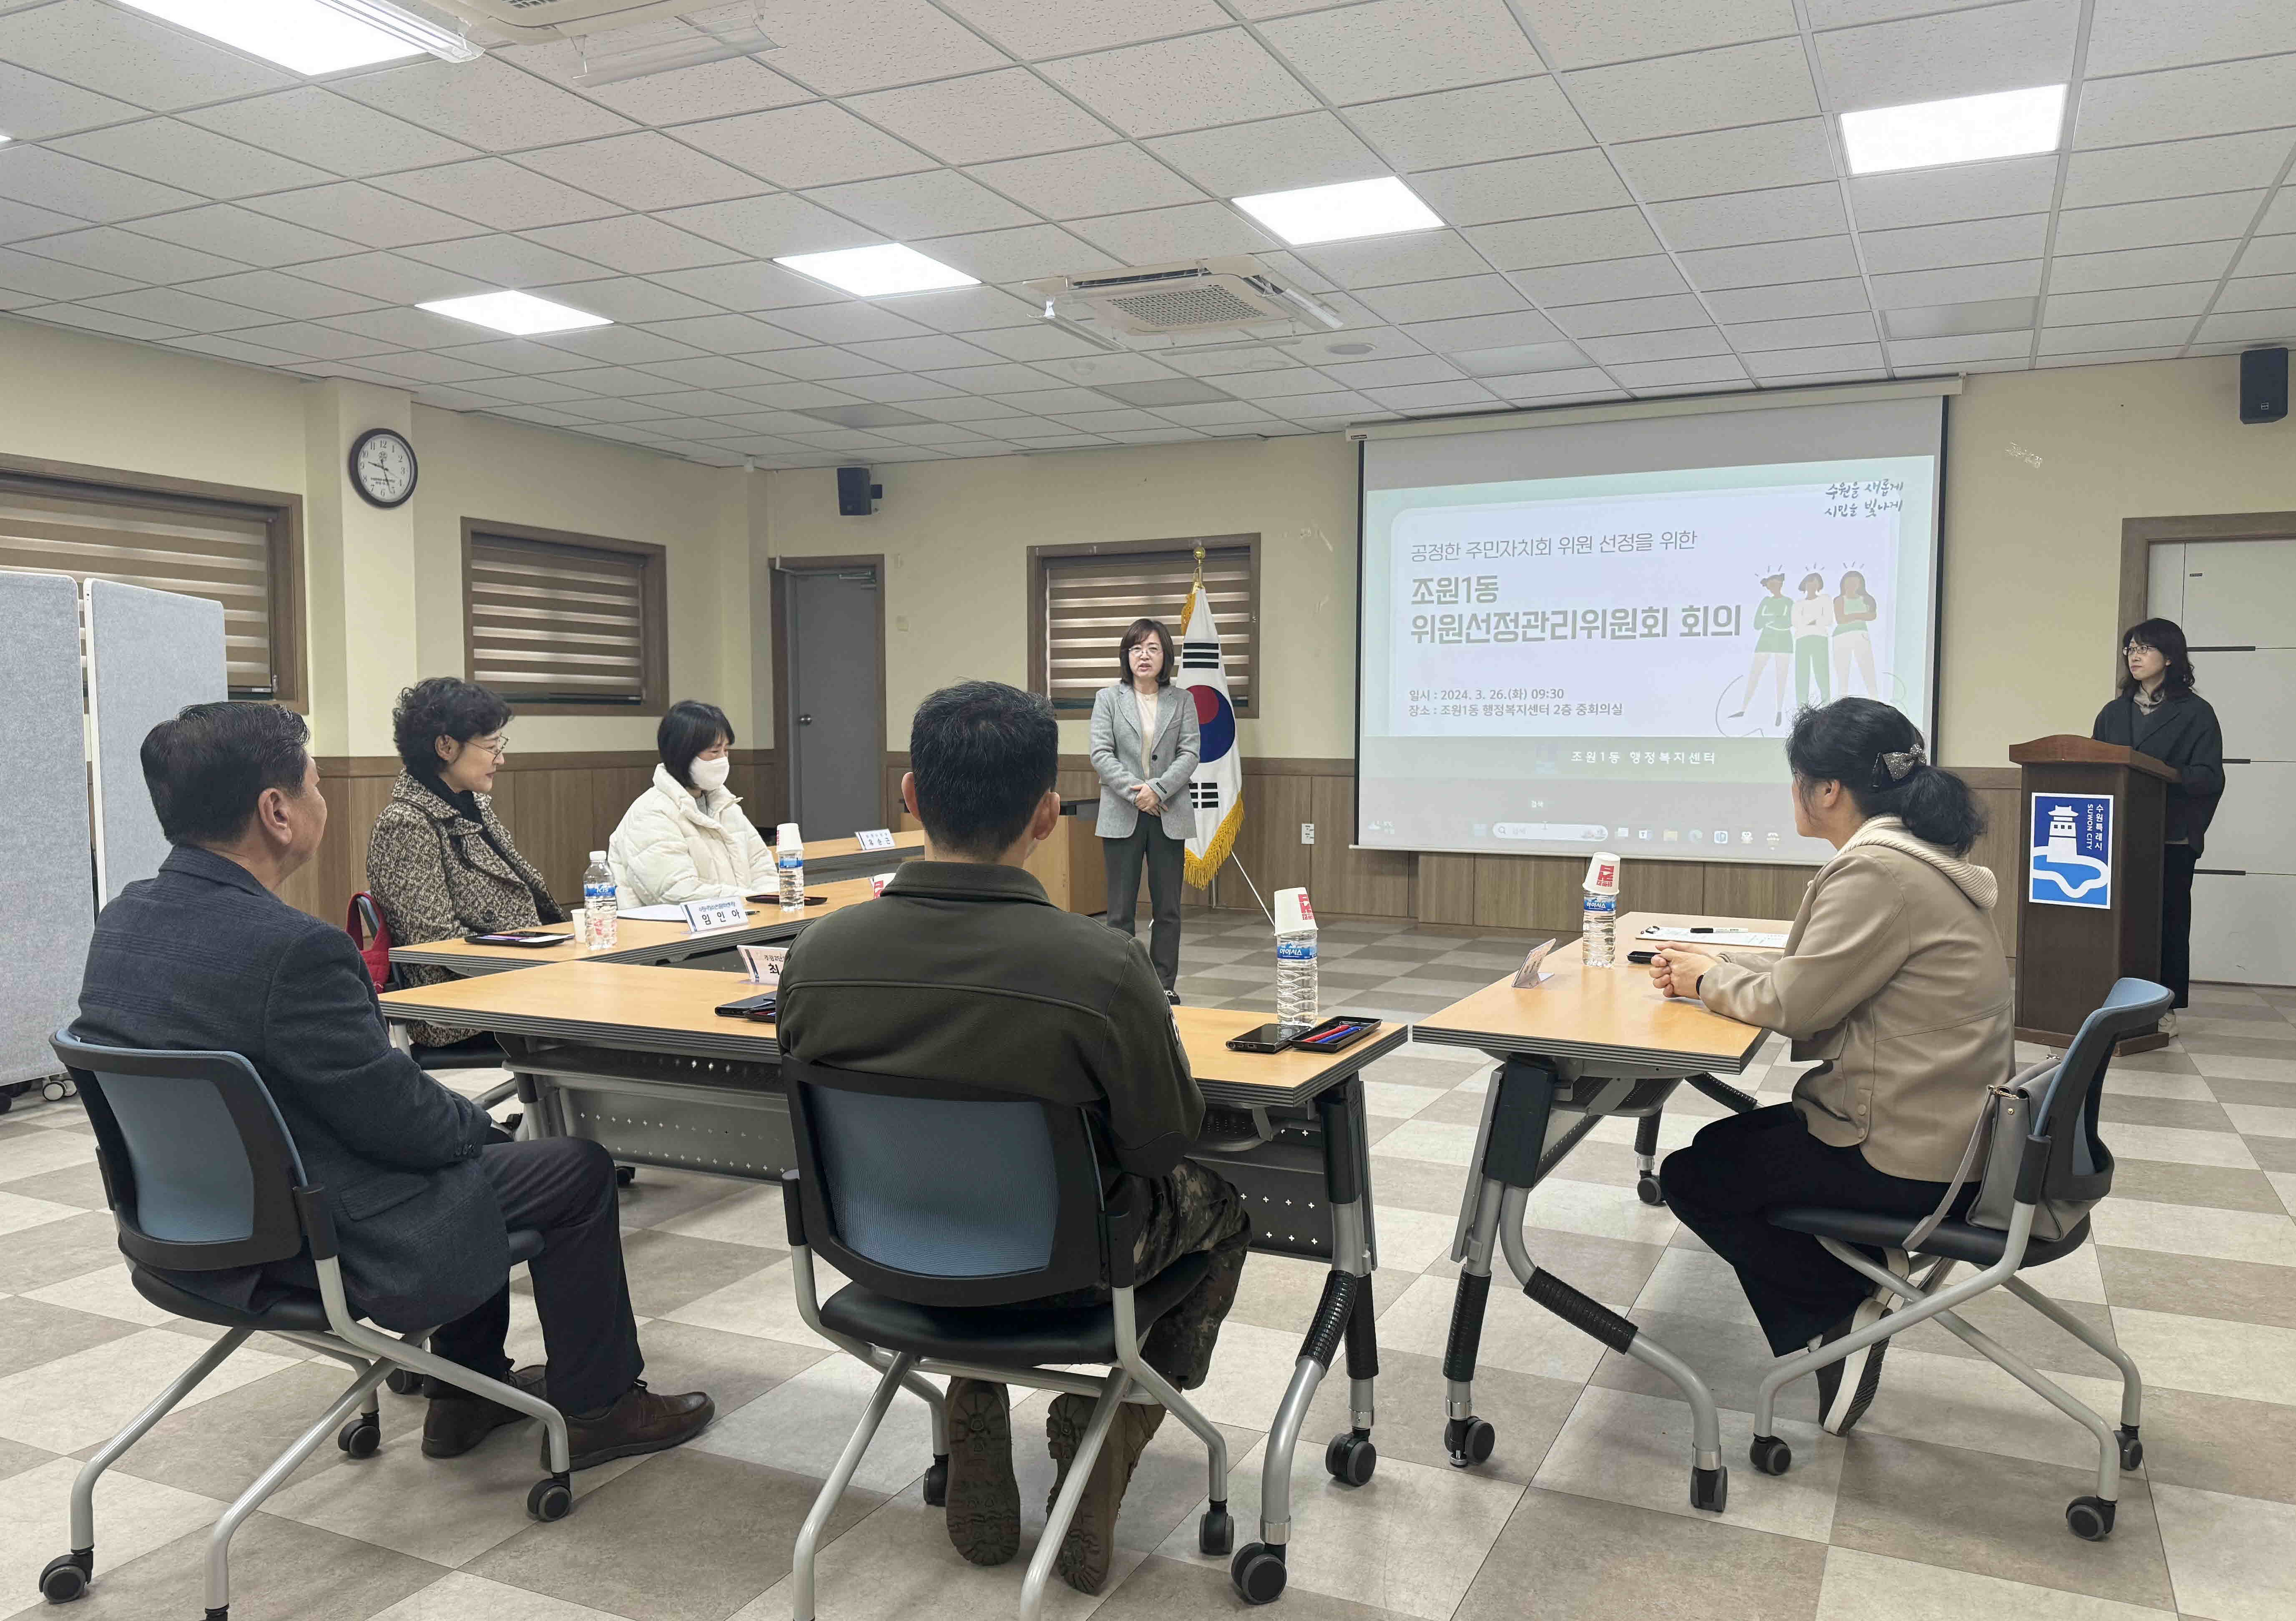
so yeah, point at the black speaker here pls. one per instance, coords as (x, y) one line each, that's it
(2263, 385)
(856, 497)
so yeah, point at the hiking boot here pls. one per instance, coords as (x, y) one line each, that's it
(1091, 1541)
(639, 1421)
(459, 1420)
(984, 1499)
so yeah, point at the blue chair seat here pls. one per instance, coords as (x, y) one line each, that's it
(1961, 1241)
(297, 1310)
(1024, 1336)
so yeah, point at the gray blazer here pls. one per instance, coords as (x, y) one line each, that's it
(1171, 763)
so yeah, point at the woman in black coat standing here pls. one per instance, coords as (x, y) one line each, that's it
(2158, 714)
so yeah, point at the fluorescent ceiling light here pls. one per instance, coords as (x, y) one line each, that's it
(311, 37)
(519, 313)
(1334, 213)
(874, 273)
(1921, 134)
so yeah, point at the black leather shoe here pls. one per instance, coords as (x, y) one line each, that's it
(458, 1420)
(640, 1422)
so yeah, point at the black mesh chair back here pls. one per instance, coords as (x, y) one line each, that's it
(2078, 1165)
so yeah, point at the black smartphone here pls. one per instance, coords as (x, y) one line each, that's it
(532, 938)
(1335, 1034)
(817, 900)
(749, 1007)
(1642, 956)
(1267, 1038)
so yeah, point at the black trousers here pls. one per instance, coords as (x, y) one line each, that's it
(2176, 863)
(1740, 1168)
(1166, 858)
(563, 1187)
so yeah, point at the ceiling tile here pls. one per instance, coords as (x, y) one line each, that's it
(1752, 217)
(1326, 349)
(1216, 415)
(1651, 275)
(938, 203)
(1035, 29)
(1569, 239)
(646, 171)
(620, 346)
(1578, 34)
(748, 286)
(1040, 400)
(1275, 389)
(1958, 285)
(1300, 407)
(1383, 261)
(937, 349)
(1937, 247)
(139, 60)
(232, 348)
(2250, 326)
(2176, 169)
(1038, 342)
(2128, 304)
(180, 154)
(18, 220)
(1223, 78)
(2115, 335)
(1066, 185)
(1517, 188)
(723, 335)
(629, 298)
(1971, 53)
(318, 342)
(488, 103)
(1011, 113)
(868, 45)
(1518, 118)
(719, 372)
(393, 278)
(1586, 383)
(583, 372)
(899, 386)
(1512, 360)
(1391, 373)
(2223, 99)
(997, 380)
(1809, 331)
(506, 261)
(1675, 95)
(1403, 47)
(67, 184)
(1675, 374)
(1961, 191)
(497, 192)
(768, 227)
(410, 328)
(1629, 316)
(1433, 395)
(1506, 329)
(698, 402)
(967, 309)
(2140, 267)
(39, 107)
(360, 213)
(714, 90)
(819, 143)
(1679, 343)
(528, 390)
(173, 306)
(1157, 235)
(2259, 292)
(1815, 362)
(1272, 155)
(319, 126)
(122, 253)
(98, 320)
(852, 322)
(1794, 300)
(1963, 319)
(2282, 214)
(1041, 251)
(2132, 35)
(2156, 225)
(292, 298)
(631, 243)
(232, 232)
(1812, 259)
(1747, 159)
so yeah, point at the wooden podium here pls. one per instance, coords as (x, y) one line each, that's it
(1068, 864)
(2069, 953)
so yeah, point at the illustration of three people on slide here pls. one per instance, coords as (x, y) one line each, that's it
(1799, 632)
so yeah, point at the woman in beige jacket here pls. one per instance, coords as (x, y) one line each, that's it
(1893, 981)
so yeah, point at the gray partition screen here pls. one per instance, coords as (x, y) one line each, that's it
(46, 891)
(149, 653)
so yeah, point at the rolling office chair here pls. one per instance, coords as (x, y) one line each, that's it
(201, 1176)
(2063, 1158)
(948, 1212)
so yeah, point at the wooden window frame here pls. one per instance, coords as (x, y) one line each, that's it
(653, 617)
(283, 525)
(1039, 672)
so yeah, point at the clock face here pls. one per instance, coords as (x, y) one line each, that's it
(383, 467)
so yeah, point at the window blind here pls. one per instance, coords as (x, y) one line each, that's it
(1089, 601)
(198, 548)
(552, 623)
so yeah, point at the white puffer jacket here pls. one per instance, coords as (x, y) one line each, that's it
(670, 848)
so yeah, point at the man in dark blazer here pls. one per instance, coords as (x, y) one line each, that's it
(424, 1192)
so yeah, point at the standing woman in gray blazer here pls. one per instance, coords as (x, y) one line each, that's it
(1144, 747)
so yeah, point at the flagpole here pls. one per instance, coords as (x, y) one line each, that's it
(1254, 888)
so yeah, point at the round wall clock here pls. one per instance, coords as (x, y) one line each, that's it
(383, 467)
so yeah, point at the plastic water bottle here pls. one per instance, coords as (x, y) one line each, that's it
(1599, 933)
(789, 861)
(599, 920)
(1296, 997)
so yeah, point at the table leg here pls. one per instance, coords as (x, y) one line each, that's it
(1646, 1187)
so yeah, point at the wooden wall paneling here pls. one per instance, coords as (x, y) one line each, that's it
(1658, 885)
(1268, 843)
(1446, 888)
(2001, 849)
(1505, 891)
(1756, 890)
(1352, 882)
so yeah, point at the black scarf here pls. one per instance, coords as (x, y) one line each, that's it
(465, 803)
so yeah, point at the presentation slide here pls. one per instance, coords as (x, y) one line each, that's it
(1612, 657)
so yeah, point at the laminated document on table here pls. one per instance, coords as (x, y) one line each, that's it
(1714, 937)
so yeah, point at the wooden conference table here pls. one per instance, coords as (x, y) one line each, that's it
(1584, 1044)
(636, 1057)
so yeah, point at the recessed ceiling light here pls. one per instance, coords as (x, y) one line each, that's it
(874, 273)
(519, 313)
(1963, 129)
(1334, 213)
(313, 36)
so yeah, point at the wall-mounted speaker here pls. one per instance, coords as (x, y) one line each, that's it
(2263, 385)
(856, 497)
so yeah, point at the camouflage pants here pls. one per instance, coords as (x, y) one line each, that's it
(1193, 1211)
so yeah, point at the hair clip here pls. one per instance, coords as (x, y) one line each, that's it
(1897, 765)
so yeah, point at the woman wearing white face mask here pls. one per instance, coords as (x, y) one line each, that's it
(685, 839)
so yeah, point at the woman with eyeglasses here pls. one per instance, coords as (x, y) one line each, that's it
(440, 861)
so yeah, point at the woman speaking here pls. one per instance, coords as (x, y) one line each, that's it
(2158, 714)
(1144, 747)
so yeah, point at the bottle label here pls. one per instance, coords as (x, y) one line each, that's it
(1295, 950)
(792, 863)
(1601, 905)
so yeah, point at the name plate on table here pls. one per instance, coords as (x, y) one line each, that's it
(729, 912)
(1530, 973)
(874, 839)
(762, 964)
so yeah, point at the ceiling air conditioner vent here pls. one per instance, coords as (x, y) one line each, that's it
(1214, 295)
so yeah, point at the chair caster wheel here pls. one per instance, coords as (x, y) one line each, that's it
(1710, 1489)
(552, 1498)
(65, 1577)
(403, 1381)
(54, 1092)
(1770, 1455)
(625, 1175)
(1647, 1190)
(1351, 1458)
(1215, 1532)
(362, 1437)
(1468, 1441)
(2132, 1450)
(1258, 1574)
(2090, 1517)
(937, 1482)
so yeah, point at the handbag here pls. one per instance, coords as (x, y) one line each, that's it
(1998, 1142)
(365, 925)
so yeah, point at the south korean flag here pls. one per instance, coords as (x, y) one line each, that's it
(1217, 792)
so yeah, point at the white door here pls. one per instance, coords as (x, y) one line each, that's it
(2236, 601)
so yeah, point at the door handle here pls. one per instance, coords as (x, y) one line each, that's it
(805, 720)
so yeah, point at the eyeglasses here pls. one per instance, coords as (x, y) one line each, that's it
(495, 746)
